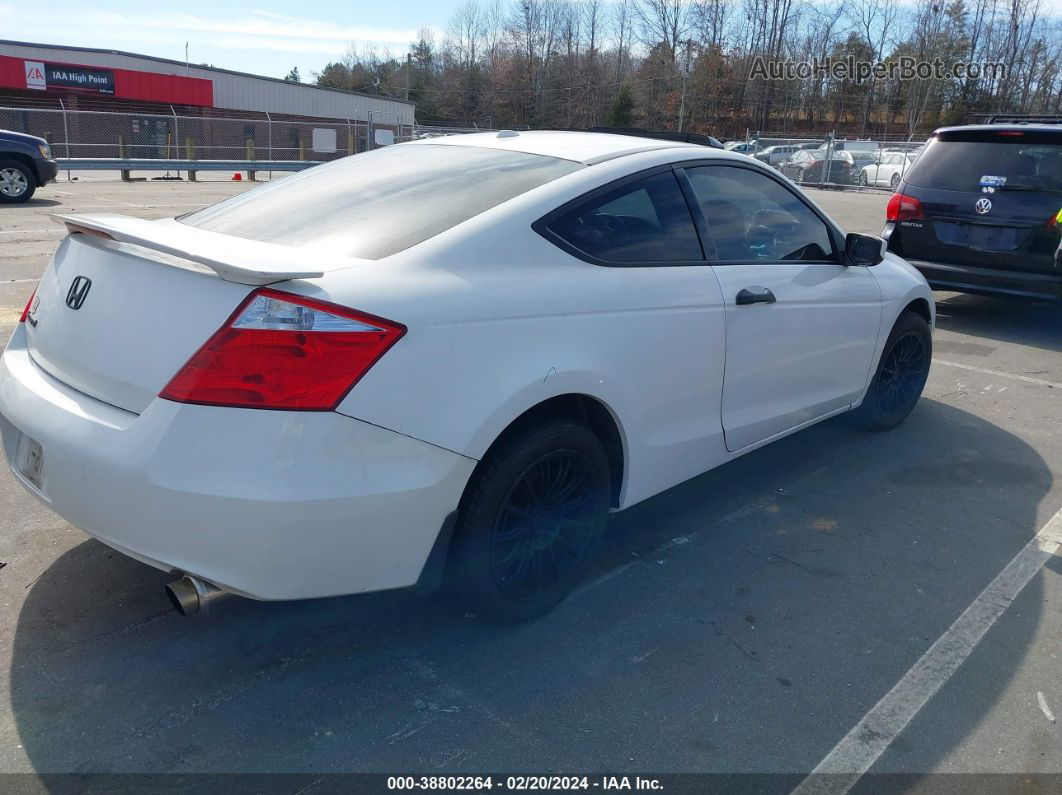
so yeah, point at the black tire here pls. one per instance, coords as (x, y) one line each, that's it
(800, 177)
(17, 182)
(531, 520)
(901, 375)
(863, 180)
(894, 180)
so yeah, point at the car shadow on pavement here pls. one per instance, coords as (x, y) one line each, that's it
(1038, 325)
(740, 622)
(41, 203)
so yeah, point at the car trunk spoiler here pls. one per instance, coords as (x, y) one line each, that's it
(234, 259)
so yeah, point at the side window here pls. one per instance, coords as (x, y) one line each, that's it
(751, 217)
(644, 221)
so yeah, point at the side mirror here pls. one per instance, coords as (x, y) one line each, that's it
(863, 250)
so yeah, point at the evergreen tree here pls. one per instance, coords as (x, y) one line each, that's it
(621, 112)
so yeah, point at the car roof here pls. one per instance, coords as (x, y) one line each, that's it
(1040, 128)
(582, 147)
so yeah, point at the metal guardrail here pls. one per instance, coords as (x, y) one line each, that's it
(154, 164)
(127, 165)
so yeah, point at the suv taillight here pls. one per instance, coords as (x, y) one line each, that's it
(903, 208)
(284, 351)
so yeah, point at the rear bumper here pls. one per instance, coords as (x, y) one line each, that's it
(266, 504)
(991, 281)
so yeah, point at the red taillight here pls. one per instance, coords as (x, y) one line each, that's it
(903, 208)
(284, 351)
(29, 306)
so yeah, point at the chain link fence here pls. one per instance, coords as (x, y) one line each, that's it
(826, 161)
(109, 134)
(835, 161)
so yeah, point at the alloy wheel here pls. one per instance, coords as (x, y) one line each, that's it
(13, 183)
(903, 373)
(545, 524)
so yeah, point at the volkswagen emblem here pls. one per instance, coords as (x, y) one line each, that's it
(78, 291)
(983, 206)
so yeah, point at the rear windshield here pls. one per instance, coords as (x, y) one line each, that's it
(375, 204)
(1026, 164)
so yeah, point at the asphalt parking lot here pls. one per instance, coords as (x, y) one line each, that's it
(747, 621)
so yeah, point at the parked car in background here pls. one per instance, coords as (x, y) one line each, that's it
(851, 146)
(904, 146)
(888, 171)
(743, 147)
(862, 159)
(662, 135)
(810, 166)
(975, 213)
(776, 155)
(369, 385)
(25, 164)
(794, 142)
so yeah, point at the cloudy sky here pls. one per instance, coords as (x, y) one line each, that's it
(246, 35)
(257, 36)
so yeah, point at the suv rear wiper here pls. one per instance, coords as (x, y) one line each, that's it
(1020, 187)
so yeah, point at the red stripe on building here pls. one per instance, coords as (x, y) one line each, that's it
(128, 84)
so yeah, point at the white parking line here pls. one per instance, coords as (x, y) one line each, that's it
(985, 370)
(854, 755)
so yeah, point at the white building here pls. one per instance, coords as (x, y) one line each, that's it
(88, 78)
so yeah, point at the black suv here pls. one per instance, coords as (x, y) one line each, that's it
(976, 212)
(25, 163)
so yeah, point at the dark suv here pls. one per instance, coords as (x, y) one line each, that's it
(25, 163)
(976, 212)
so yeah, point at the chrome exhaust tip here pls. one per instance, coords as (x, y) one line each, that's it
(192, 596)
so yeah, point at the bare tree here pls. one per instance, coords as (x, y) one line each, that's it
(565, 63)
(874, 19)
(665, 22)
(623, 35)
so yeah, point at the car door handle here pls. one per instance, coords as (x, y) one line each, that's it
(755, 295)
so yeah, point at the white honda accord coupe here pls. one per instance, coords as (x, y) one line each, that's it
(445, 360)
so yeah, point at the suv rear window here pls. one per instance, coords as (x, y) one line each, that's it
(378, 203)
(1029, 162)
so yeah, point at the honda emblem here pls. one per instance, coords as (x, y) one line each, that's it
(78, 291)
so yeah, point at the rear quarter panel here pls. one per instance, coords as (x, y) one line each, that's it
(499, 320)
(648, 343)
